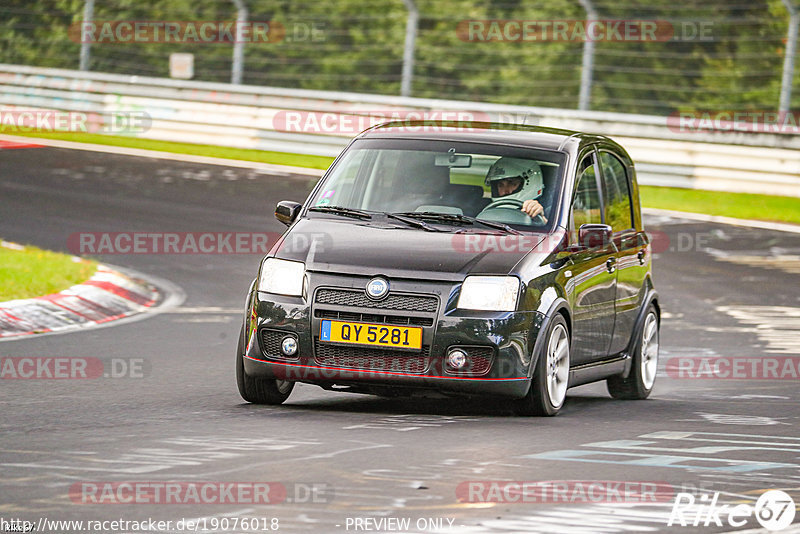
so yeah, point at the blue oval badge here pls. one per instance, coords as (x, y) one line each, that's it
(377, 288)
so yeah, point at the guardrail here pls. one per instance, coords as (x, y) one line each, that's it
(321, 122)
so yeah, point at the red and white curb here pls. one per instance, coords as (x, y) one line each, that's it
(107, 296)
(6, 144)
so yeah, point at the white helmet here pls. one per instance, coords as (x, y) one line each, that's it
(529, 172)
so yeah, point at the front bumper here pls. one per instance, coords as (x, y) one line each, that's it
(501, 343)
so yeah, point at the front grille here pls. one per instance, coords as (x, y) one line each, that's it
(271, 344)
(400, 320)
(359, 299)
(333, 355)
(479, 361)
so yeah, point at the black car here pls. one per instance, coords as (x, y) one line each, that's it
(462, 258)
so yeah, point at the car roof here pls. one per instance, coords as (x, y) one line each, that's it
(480, 132)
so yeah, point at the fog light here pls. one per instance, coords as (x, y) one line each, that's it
(456, 359)
(289, 346)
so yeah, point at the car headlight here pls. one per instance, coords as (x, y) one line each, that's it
(489, 293)
(282, 277)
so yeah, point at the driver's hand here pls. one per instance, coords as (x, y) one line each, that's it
(532, 208)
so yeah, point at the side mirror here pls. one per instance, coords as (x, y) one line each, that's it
(594, 235)
(287, 211)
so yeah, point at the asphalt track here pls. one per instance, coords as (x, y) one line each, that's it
(726, 291)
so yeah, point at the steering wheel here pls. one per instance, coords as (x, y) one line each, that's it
(512, 203)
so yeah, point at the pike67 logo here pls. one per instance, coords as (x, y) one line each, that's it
(774, 510)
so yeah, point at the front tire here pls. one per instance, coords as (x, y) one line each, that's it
(642, 377)
(259, 390)
(550, 381)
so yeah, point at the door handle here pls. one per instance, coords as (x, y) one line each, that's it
(640, 255)
(611, 264)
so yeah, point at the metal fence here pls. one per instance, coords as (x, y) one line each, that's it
(633, 56)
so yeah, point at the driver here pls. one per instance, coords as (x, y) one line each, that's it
(520, 180)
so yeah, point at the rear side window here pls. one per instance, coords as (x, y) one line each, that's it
(586, 208)
(618, 193)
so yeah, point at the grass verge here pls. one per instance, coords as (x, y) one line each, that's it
(738, 205)
(33, 272)
(244, 154)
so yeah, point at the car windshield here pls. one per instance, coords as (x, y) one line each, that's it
(446, 182)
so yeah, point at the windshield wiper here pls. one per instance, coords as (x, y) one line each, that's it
(498, 225)
(341, 210)
(456, 218)
(414, 222)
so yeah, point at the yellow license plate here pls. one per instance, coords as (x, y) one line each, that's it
(396, 337)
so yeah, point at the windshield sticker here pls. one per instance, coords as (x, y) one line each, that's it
(325, 199)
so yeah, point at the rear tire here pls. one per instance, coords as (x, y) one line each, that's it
(550, 381)
(641, 379)
(259, 390)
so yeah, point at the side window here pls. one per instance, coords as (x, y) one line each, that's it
(618, 201)
(586, 207)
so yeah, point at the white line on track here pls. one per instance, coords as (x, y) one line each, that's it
(781, 227)
(139, 152)
(777, 326)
